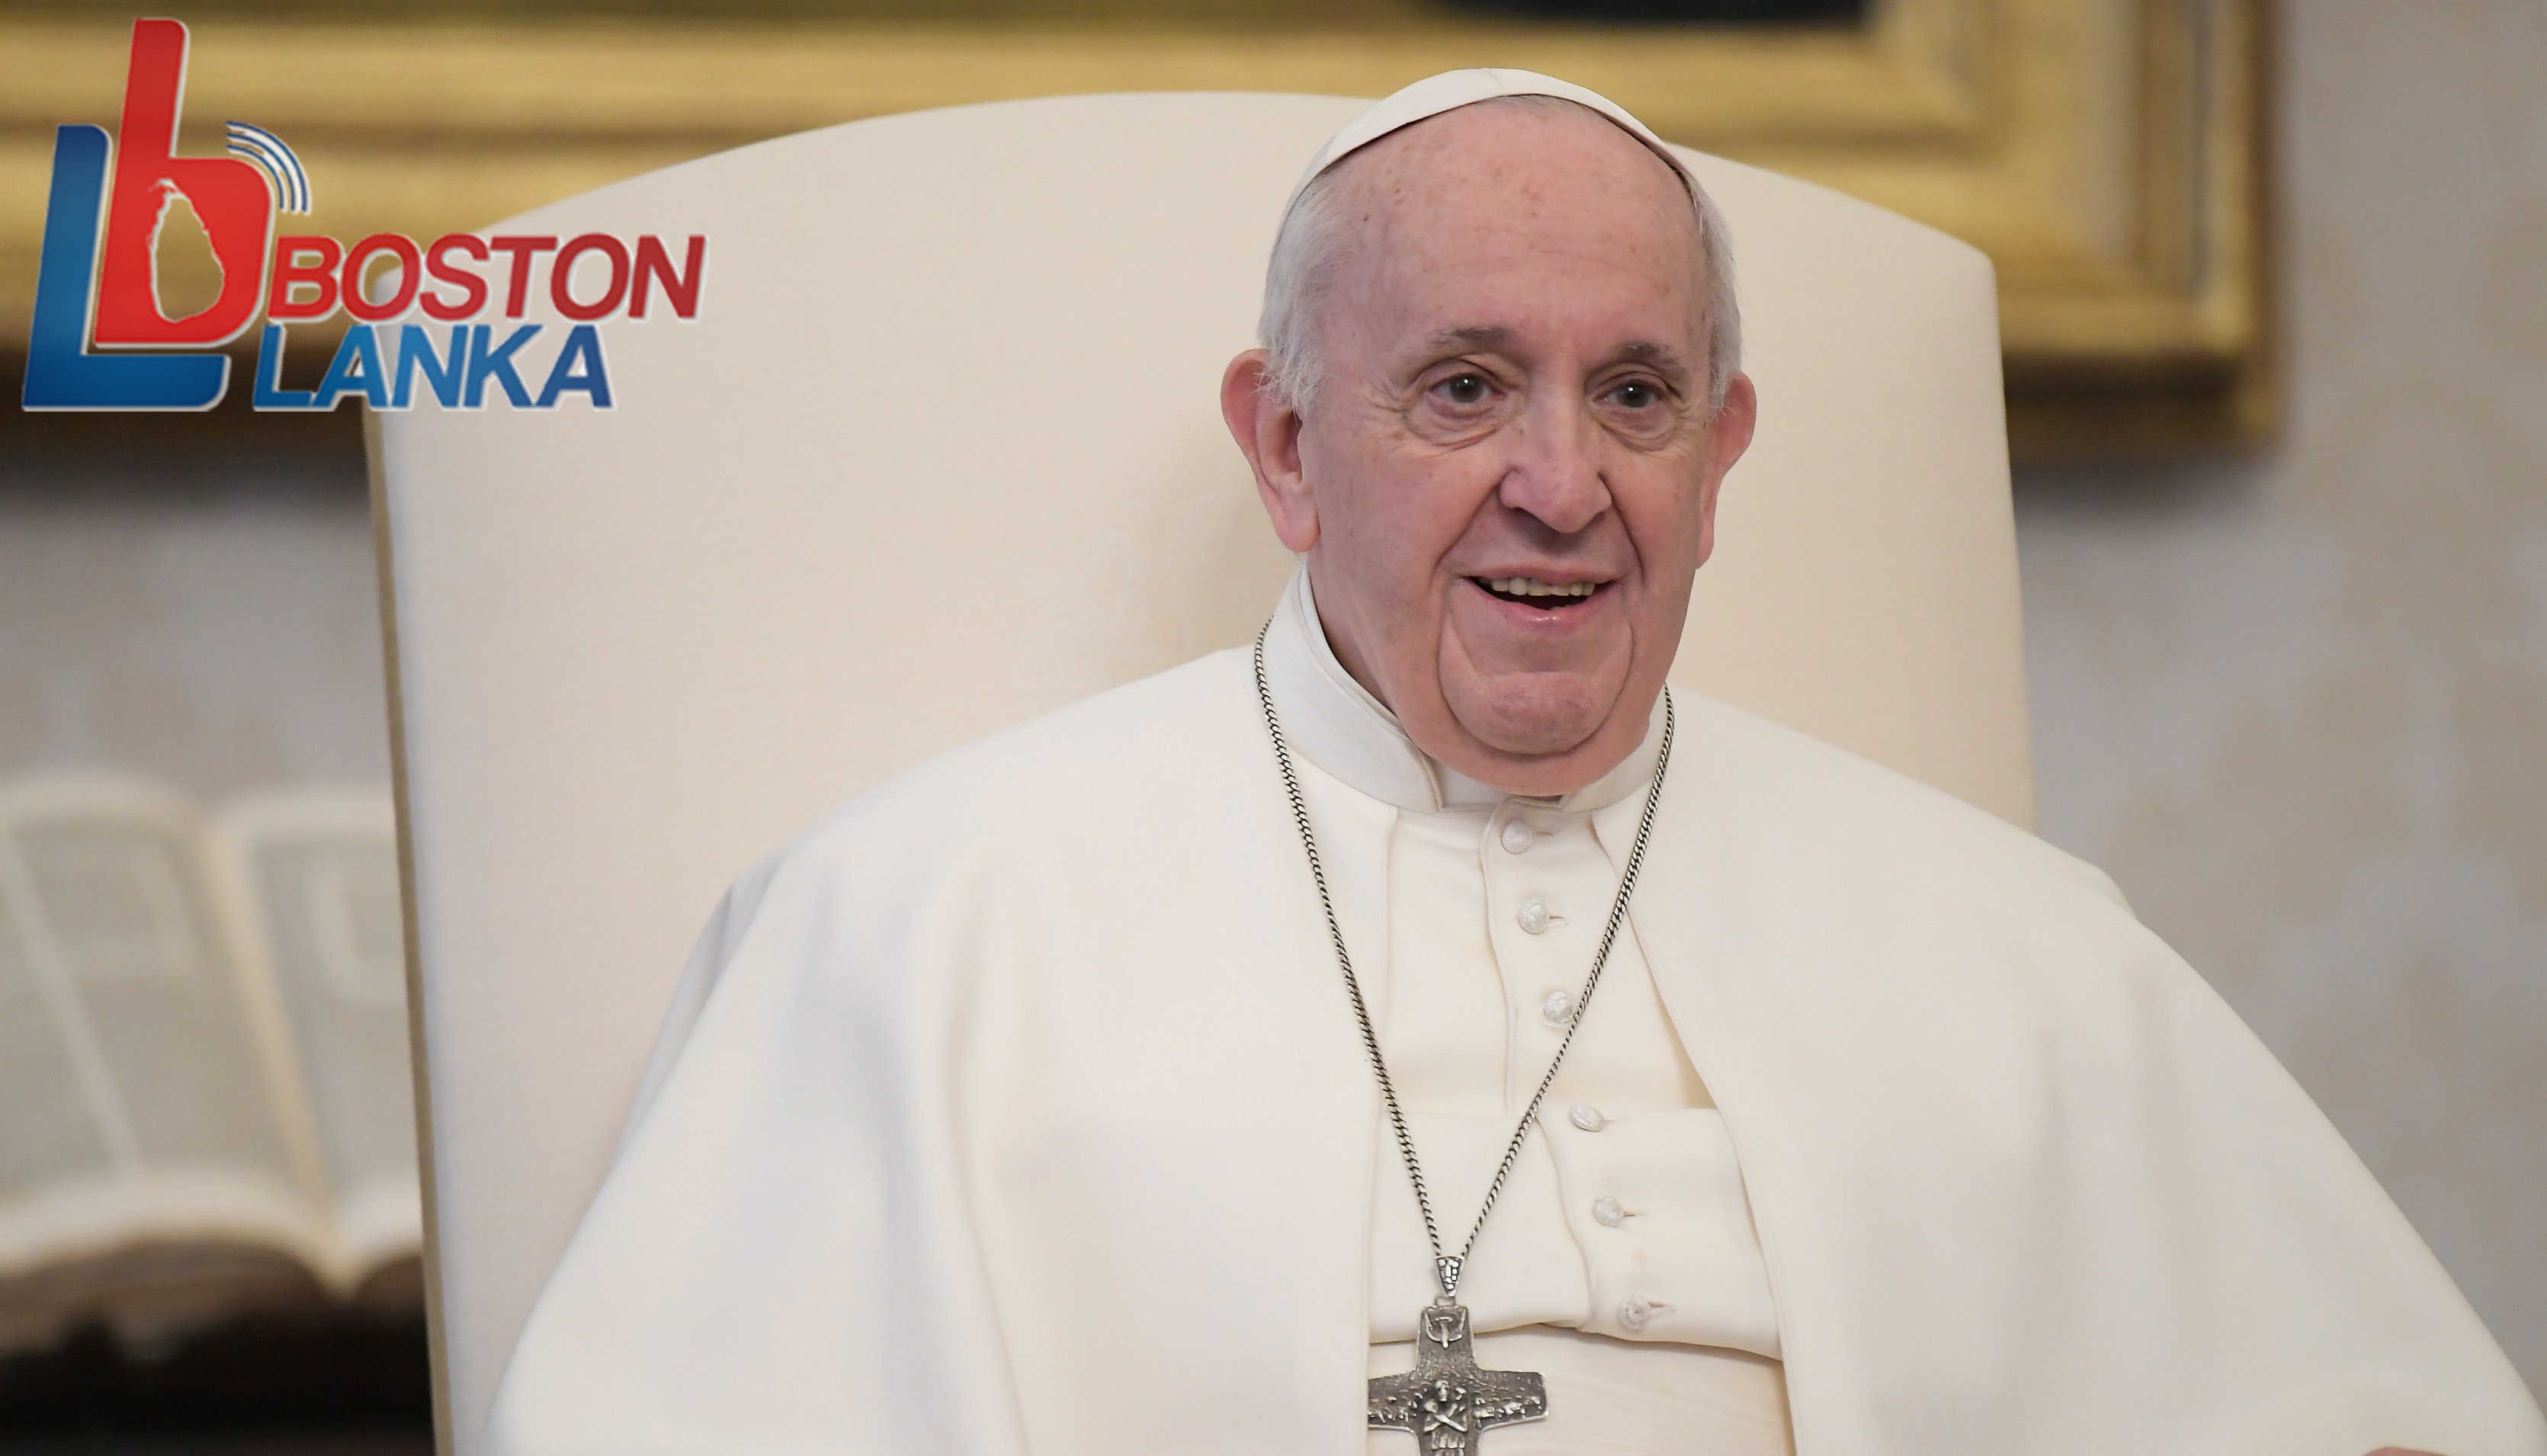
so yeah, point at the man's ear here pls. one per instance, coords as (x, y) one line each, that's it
(1727, 436)
(1268, 435)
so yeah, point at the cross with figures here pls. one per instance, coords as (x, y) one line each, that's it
(1446, 1400)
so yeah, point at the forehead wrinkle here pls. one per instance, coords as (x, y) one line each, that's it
(1422, 181)
(1474, 336)
(1464, 170)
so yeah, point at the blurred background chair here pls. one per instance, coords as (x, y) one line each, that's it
(942, 451)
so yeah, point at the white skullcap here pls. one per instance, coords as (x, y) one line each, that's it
(1451, 90)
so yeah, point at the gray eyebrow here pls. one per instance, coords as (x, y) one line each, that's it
(1494, 335)
(1661, 356)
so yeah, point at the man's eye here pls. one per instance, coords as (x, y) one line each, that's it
(1463, 388)
(1635, 396)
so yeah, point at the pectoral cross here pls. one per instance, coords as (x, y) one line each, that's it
(1446, 1400)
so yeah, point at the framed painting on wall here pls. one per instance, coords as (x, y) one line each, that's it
(2107, 154)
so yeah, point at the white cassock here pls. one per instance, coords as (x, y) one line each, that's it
(1016, 1107)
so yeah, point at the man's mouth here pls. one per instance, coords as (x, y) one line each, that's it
(1538, 595)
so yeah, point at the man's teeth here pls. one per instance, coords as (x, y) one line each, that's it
(1531, 586)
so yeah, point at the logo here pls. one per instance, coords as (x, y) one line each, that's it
(104, 337)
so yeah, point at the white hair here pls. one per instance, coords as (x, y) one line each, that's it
(1306, 253)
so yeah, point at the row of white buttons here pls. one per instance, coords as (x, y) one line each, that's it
(1636, 1310)
(1517, 837)
(1534, 918)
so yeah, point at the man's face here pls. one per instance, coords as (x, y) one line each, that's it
(1508, 478)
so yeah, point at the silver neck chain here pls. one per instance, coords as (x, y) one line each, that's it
(1447, 1268)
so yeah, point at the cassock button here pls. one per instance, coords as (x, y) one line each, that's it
(1606, 1209)
(1634, 1311)
(1516, 837)
(1533, 916)
(1557, 1008)
(1587, 1117)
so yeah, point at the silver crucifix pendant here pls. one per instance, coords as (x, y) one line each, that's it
(1446, 1400)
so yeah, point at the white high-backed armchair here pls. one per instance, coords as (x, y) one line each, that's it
(942, 450)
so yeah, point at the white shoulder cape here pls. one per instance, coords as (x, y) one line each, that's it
(1016, 1108)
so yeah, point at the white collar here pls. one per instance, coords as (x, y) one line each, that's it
(1342, 729)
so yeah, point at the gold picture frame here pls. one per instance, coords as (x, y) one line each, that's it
(2107, 154)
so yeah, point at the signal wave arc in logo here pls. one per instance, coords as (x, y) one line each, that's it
(266, 152)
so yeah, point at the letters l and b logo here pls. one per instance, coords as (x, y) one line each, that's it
(117, 271)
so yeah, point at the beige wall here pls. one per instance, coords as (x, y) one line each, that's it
(207, 624)
(212, 625)
(2298, 706)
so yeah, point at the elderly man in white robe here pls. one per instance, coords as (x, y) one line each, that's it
(1419, 1032)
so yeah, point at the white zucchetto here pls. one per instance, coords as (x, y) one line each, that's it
(1451, 90)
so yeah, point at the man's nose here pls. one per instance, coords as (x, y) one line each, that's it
(1554, 471)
